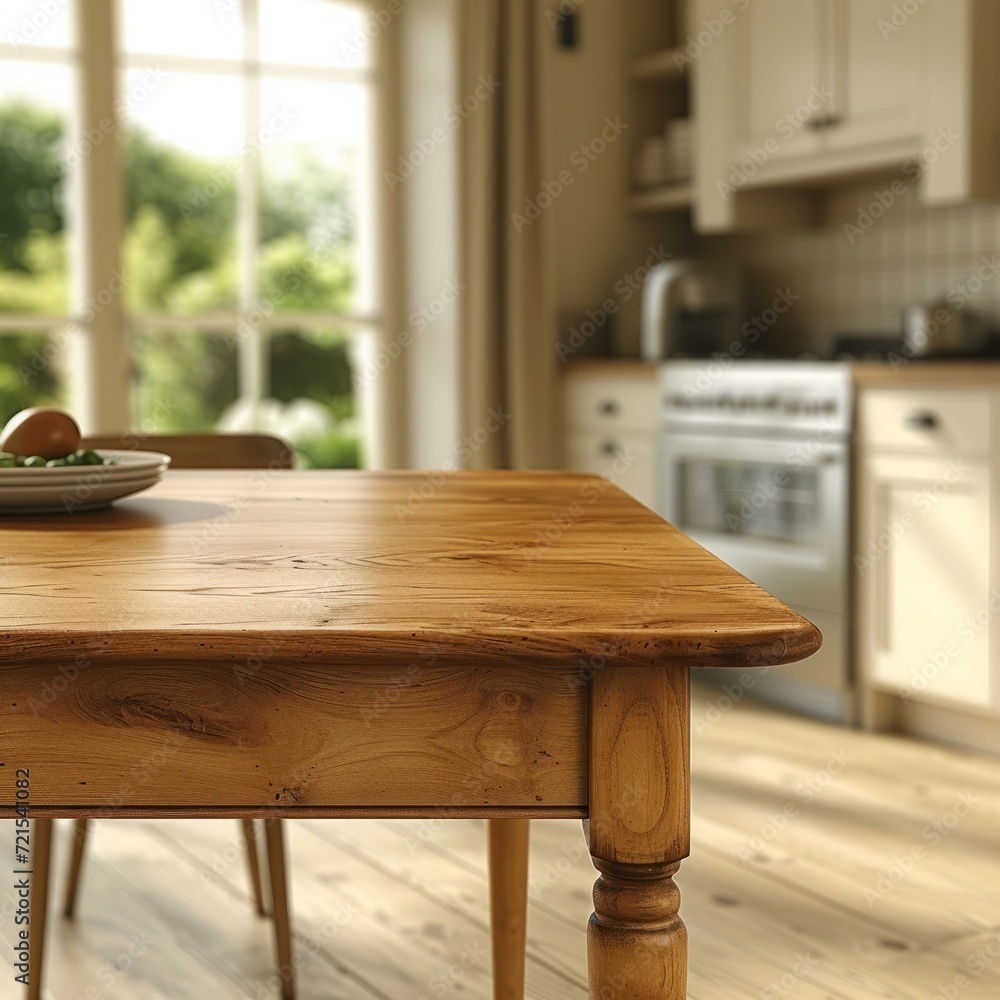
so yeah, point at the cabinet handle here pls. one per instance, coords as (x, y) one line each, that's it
(923, 420)
(609, 448)
(609, 407)
(823, 122)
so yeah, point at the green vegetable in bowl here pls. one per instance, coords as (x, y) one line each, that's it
(82, 456)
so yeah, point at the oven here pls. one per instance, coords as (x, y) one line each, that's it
(754, 464)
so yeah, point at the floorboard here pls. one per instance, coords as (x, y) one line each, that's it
(794, 823)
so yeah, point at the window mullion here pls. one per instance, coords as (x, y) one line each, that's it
(100, 364)
(252, 341)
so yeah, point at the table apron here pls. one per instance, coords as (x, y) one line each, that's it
(309, 739)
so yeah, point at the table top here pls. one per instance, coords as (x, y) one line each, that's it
(380, 568)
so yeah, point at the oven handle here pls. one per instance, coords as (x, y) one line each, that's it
(806, 453)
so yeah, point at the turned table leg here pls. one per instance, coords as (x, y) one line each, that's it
(638, 832)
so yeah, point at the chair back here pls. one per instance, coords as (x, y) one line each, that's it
(205, 451)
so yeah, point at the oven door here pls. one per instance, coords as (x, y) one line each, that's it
(776, 511)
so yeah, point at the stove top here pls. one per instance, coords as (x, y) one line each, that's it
(802, 396)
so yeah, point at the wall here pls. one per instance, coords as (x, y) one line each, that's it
(860, 280)
(429, 235)
(598, 244)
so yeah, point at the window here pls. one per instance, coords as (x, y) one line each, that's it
(246, 247)
(36, 100)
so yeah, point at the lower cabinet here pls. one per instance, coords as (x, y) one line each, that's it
(610, 424)
(625, 457)
(923, 553)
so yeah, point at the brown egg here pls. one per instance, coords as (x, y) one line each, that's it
(42, 430)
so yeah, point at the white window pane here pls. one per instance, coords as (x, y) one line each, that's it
(316, 32)
(313, 198)
(35, 100)
(184, 157)
(210, 29)
(29, 22)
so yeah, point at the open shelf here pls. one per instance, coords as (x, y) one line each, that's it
(662, 199)
(667, 64)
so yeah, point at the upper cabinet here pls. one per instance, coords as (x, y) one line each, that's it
(779, 64)
(877, 92)
(790, 95)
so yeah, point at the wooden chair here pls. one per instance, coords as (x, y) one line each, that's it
(204, 451)
(508, 838)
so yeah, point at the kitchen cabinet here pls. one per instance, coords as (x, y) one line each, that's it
(610, 423)
(791, 95)
(924, 554)
(779, 57)
(877, 89)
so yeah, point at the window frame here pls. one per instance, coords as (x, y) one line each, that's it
(100, 344)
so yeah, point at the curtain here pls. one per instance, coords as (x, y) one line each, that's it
(506, 307)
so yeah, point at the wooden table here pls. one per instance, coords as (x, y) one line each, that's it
(312, 644)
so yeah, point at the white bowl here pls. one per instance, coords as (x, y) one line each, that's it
(66, 489)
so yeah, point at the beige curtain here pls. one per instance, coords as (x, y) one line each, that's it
(507, 306)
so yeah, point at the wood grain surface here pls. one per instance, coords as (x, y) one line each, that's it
(189, 736)
(502, 568)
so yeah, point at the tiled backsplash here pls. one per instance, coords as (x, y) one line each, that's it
(860, 281)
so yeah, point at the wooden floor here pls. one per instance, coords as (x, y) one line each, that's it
(826, 864)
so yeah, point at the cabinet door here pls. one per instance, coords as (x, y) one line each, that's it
(780, 67)
(923, 559)
(627, 459)
(876, 74)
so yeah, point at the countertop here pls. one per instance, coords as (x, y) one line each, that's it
(914, 373)
(613, 366)
(927, 374)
